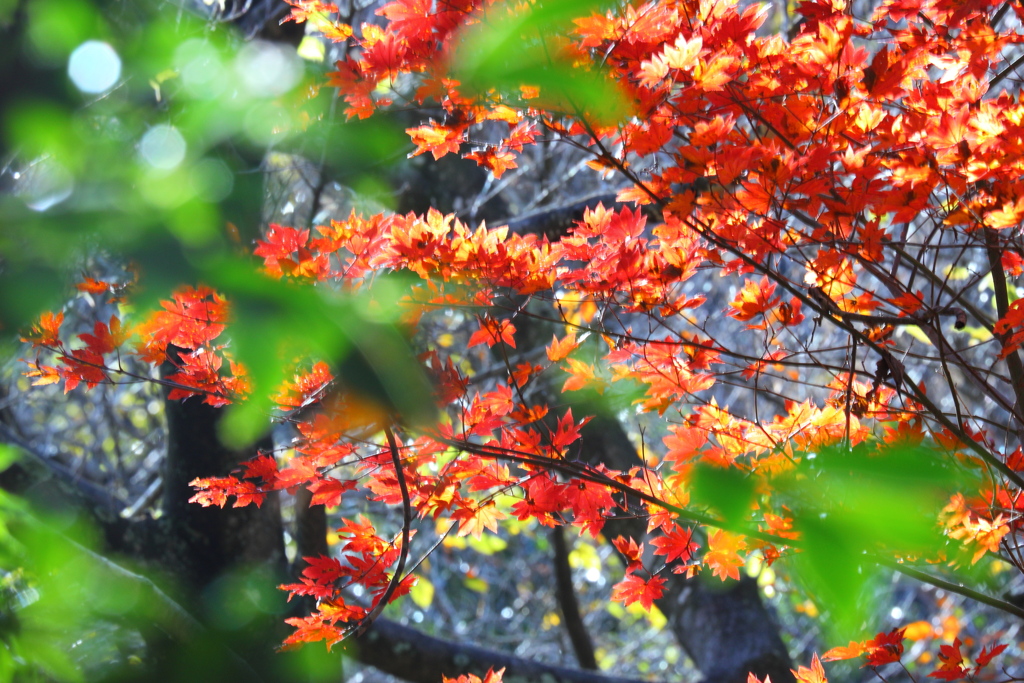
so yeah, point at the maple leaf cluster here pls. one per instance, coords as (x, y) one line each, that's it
(183, 334)
(887, 648)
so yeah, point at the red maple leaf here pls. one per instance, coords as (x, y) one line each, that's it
(261, 467)
(104, 338)
(493, 331)
(634, 589)
(328, 491)
(631, 551)
(676, 545)
(885, 648)
(410, 19)
(951, 662)
(986, 654)
(567, 431)
(324, 570)
(497, 161)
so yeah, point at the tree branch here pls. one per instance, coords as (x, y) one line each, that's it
(581, 643)
(1012, 359)
(397, 577)
(419, 658)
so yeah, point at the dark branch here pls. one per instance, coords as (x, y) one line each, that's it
(558, 220)
(418, 658)
(397, 577)
(578, 634)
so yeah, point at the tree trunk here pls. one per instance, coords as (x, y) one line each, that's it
(211, 541)
(724, 627)
(225, 562)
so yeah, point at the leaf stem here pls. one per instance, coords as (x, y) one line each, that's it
(403, 554)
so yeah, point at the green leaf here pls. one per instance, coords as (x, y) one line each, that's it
(38, 648)
(727, 491)
(476, 584)
(422, 593)
(835, 570)
(276, 322)
(849, 505)
(524, 49)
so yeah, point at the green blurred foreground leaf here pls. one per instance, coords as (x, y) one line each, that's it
(276, 323)
(525, 48)
(853, 505)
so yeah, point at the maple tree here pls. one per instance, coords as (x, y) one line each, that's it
(853, 190)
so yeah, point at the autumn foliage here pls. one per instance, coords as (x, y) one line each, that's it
(853, 190)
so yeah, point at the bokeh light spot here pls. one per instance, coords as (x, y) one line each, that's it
(94, 67)
(267, 69)
(162, 147)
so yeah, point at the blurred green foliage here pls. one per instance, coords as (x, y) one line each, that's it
(69, 614)
(138, 130)
(851, 507)
(51, 595)
(148, 147)
(528, 47)
(855, 505)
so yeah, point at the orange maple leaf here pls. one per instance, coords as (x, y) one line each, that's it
(497, 161)
(93, 286)
(46, 332)
(714, 74)
(723, 554)
(437, 139)
(581, 374)
(854, 649)
(814, 674)
(908, 303)
(684, 443)
(493, 331)
(559, 349)
(491, 677)
(756, 298)
(303, 10)
(473, 518)
(634, 589)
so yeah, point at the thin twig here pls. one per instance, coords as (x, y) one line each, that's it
(397, 577)
(958, 588)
